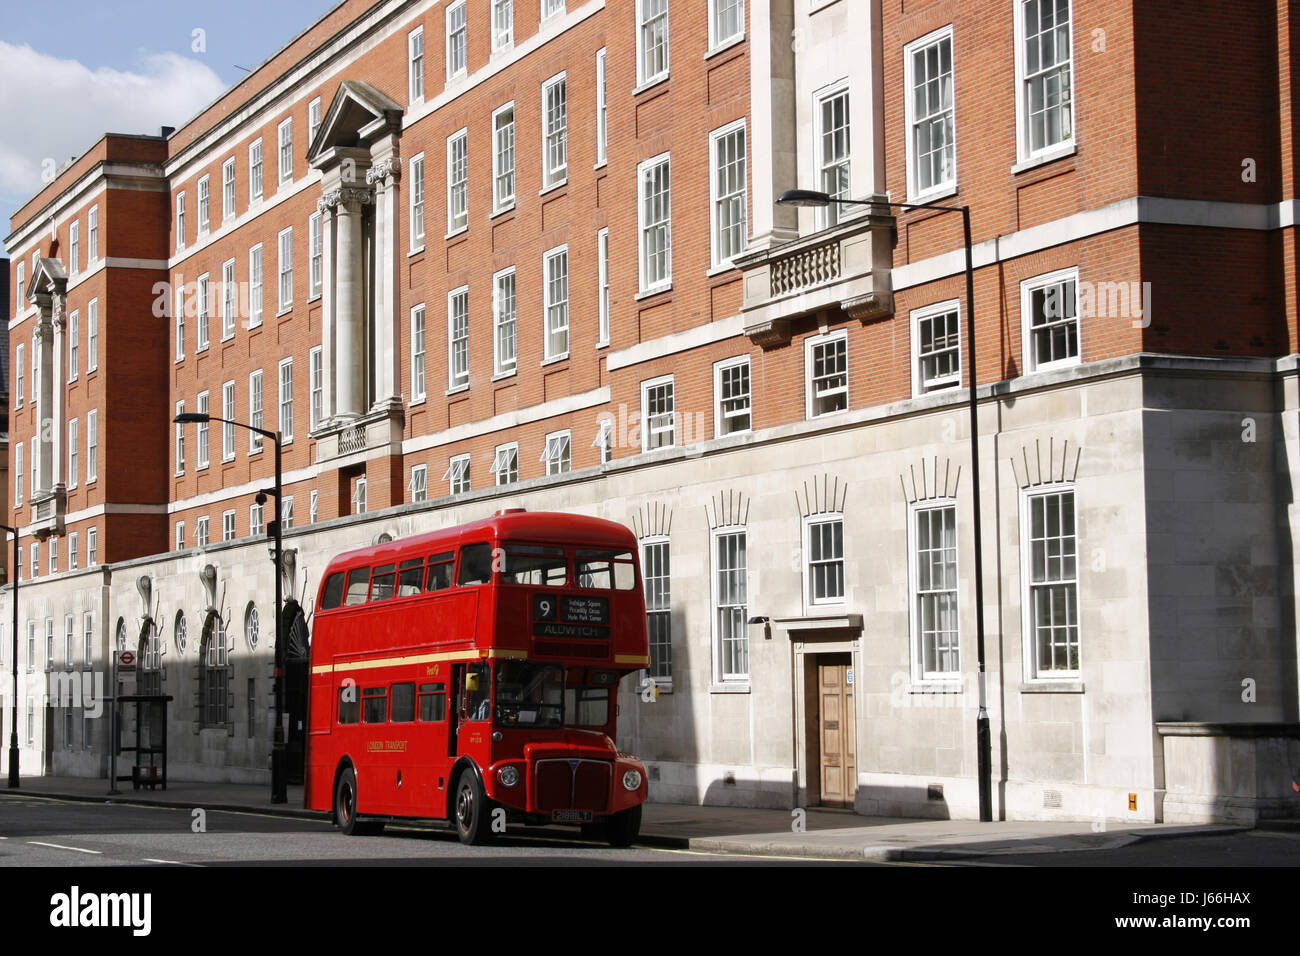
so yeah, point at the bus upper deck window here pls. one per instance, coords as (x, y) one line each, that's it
(408, 577)
(332, 596)
(358, 585)
(381, 583)
(475, 564)
(605, 570)
(438, 576)
(534, 564)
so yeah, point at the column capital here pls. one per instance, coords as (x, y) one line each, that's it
(385, 172)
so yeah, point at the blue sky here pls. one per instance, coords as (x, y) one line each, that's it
(71, 70)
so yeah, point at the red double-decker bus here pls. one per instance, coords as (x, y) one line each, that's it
(475, 670)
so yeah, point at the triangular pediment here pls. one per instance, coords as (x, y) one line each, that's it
(358, 113)
(48, 276)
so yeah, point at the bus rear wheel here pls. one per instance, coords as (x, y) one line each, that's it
(345, 808)
(623, 827)
(472, 814)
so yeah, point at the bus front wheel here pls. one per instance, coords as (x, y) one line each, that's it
(345, 802)
(472, 813)
(623, 827)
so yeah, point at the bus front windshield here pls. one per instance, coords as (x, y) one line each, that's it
(529, 694)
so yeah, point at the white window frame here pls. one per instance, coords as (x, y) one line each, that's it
(92, 236)
(19, 448)
(457, 475)
(203, 203)
(831, 214)
(284, 407)
(256, 519)
(315, 256)
(416, 218)
(716, 201)
(180, 442)
(811, 344)
(74, 342)
(716, 40)
(458, 182)
(228, 525)
(316, 386)
(551, 8)
(286, 513)
(1027, 289)
(720, 414)
(555, 311)
(419, 352)
(20, 282)
(229, 300)
(227, 429)
(1032, 670)
(202, 311)
(180, 223)
(1024, 150)
(20, 360)
(919, 317)
(415, 64)
(74, 449)
(92, 335)
(256, 285)
(602, 111)
(503, 159)
(180, 536)
(557, 453)
(419, 484)
(74, 547)
(605, 440)
(503, 28)
(504, 456)
(313, 120)
(602, 287)
(646, 430)
(359, 496)
(915, 511)
(74, 246)
(457, 340)
(255, 170)
(555, 175)
(809, 592)
(201, 450)
(92, 547)
(202, 532)
(915, 192)
(457, 41)
(283, 148)
(721, 674)
(179, 317)
(92, 445)
(644, 229)
(644, 72)
(504, 322)
(228, 190)
(281, 272)
(313, 506)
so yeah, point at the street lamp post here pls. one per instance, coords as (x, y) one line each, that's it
(983, 738)
(279, 779)
(13, 728)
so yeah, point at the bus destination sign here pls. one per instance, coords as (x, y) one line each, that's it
(571, 616)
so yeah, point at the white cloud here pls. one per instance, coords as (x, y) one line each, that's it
(55, 108)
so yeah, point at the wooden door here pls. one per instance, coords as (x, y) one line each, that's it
(835, 730)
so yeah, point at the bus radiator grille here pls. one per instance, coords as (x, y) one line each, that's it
(559, 787)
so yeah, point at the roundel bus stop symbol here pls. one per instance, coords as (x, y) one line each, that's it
(126, 660)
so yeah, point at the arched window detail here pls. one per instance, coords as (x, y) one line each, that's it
(178, 632)
(251, 625)
(214, 674)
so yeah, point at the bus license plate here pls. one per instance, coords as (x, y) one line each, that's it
(570, 816)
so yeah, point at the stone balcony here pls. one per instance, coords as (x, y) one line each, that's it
(340, 437)
(49, 507)
(845, 267)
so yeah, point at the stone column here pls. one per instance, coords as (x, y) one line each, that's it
(388, 255)
(57, 385)
(349, 324)
(774, 134)
(43, 369)
(326, 208)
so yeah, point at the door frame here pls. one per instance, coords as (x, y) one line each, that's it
(805, 645)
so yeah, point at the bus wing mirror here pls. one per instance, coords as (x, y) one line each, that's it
(471, 682)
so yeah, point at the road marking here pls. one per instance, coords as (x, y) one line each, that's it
(148, 859)
(58, 846)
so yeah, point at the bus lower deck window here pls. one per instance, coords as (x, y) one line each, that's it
(349, 704)
(433, 701)
(376, 704)
(403, 703)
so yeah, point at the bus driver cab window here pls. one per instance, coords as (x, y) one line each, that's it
(477, 697)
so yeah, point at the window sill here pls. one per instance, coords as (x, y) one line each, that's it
(601, 165)
(720, 269)
(650, 293)
(503, 210)
(416, 402)
(1060, 152)
(725, 45)
(1048, 686)
(251, 326)
(415, 252)
(729, 687)
(310, 300)
(602, 345)
(563, 357)
(502, 376)
(923, 392)
(284, 311)
(227, 338)
(650, 84)
(1054, 366)
(460, 230)
(558, 184)
(457, 389)
(944, 192)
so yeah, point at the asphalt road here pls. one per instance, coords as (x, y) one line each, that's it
(38, 831)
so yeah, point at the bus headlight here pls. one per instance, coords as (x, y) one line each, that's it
(508, 776)
(632, 780)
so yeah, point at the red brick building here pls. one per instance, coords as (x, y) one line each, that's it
(477, 253)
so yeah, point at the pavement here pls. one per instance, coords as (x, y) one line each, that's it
(824, 834)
